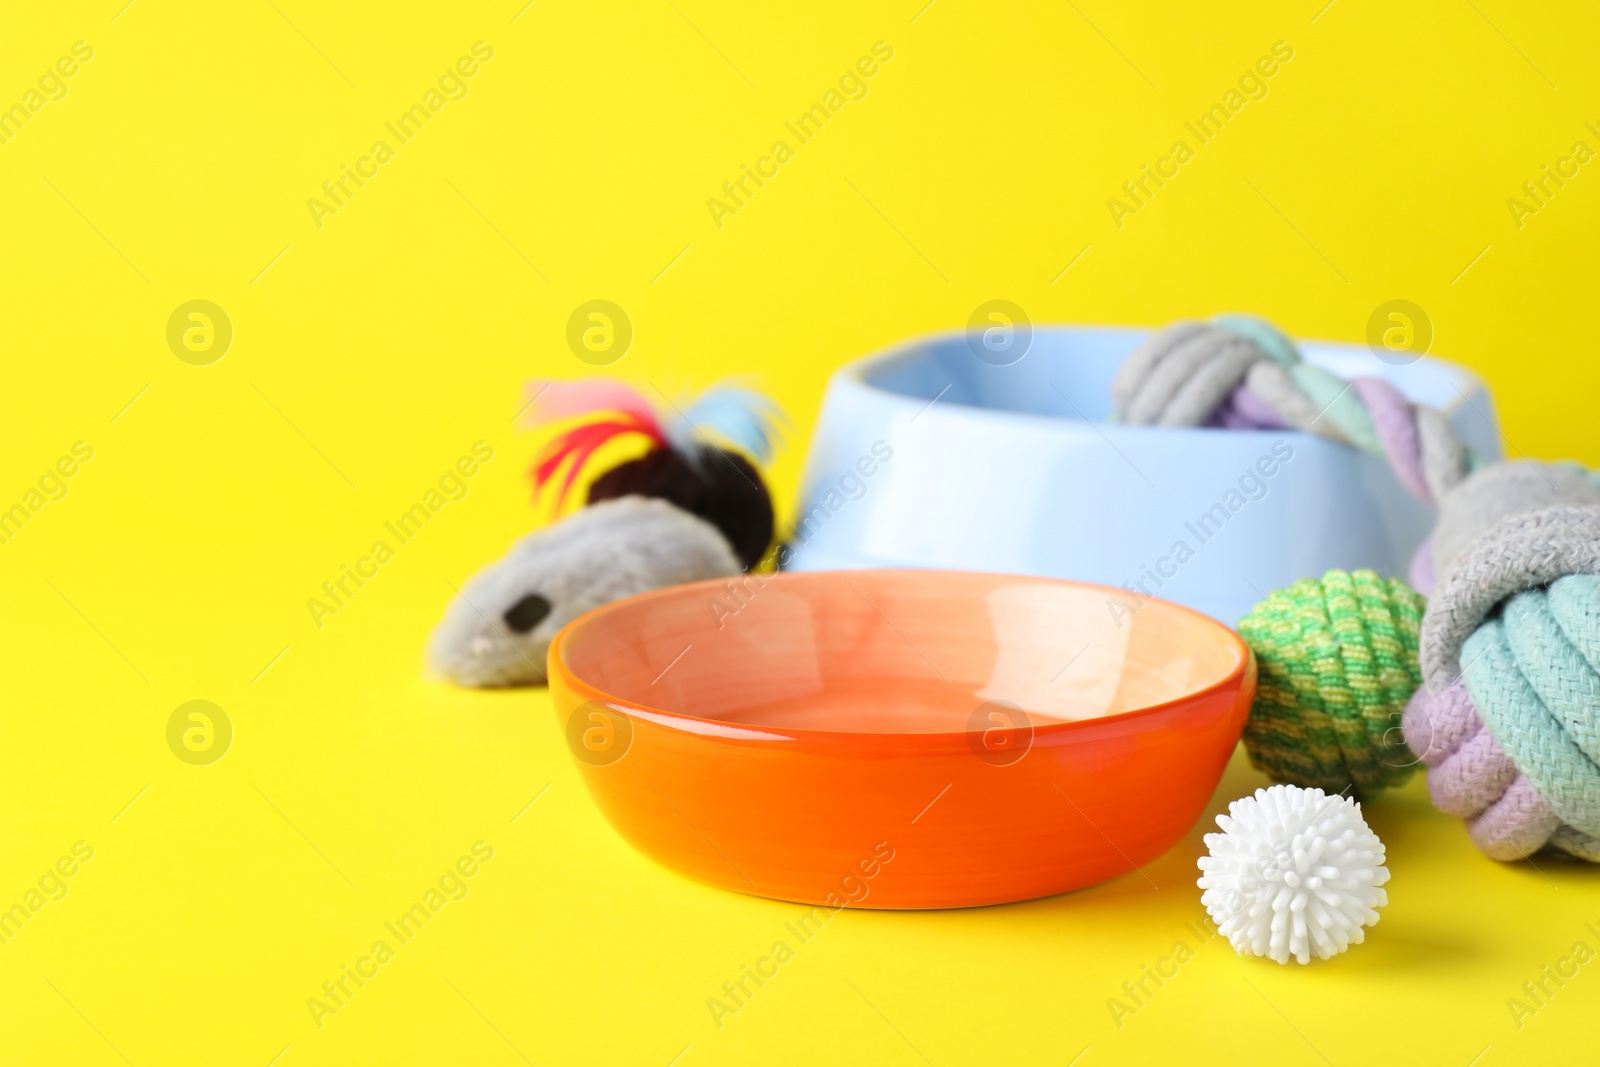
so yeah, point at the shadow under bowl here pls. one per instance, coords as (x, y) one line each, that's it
(899, 738)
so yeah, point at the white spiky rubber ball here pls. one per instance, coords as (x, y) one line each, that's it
(1294, 873)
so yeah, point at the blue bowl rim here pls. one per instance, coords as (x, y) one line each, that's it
(855, 374)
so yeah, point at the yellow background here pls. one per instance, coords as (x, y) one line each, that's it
(370, 353)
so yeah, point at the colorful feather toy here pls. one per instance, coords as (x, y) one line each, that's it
(740, 416)
(693, 507)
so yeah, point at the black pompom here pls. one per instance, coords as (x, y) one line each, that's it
(721, 487)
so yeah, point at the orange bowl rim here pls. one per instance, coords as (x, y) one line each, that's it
(556, 662)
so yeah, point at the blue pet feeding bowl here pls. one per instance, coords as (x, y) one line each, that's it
(927, 456)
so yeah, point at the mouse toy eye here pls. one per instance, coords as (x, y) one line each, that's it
(527, 613)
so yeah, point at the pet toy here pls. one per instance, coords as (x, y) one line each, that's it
(1239, 372)
(1494, 683)
(1507, 712)
(688, 509)
(1295, 872)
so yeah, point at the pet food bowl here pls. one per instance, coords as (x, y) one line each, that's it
(899, 738)
(927, 456)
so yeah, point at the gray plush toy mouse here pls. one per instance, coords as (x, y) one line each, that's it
(687, 510)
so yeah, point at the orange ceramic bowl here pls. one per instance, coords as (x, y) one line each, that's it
(900, 738)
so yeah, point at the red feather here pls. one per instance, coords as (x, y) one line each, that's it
(574, 448)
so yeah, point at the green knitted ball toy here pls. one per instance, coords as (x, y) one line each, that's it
(1337, 662)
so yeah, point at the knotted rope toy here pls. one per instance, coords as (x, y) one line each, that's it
(693, 507)
(1240, 372)
(1494, 684)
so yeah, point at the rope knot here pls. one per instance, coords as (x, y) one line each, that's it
(1240, 372)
